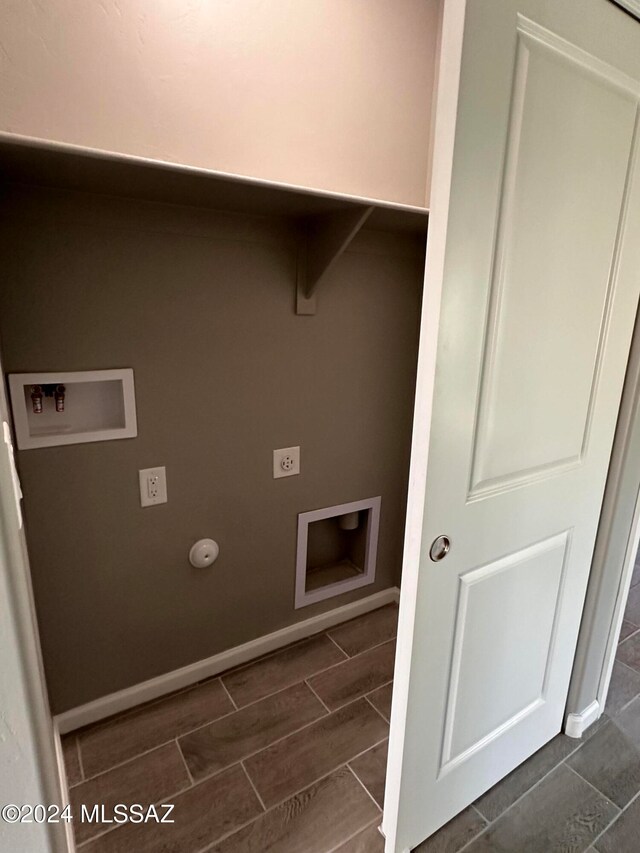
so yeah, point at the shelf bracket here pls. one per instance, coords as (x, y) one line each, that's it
(324, 239)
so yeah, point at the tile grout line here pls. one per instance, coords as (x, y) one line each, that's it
(273, 654)
(476, 836)
(480, 815)
(364, 787)
(569, 755)
(275, 806)
(283, 738)
(354, 835)
(337, 644)
(593, 788)
(313, 675)
(626, 665)
(255, 790)
(226, 690)
(616, 818)
(633, 699)
(132, 711)
(184, 761)
(245, 757)
(626, 640)
(326, 707)
(629, 636)
(490, 823)
(135, 757)
(122, 715)
(181, 791)
(377, 710)
(237, 707)
(368, 649)
(198, 728)
(141, 706)
(333, 769)
(110, 829)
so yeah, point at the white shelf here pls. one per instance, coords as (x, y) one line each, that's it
(99, 405)
(327, 222)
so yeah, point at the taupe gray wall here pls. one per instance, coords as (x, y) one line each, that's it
(200, 305)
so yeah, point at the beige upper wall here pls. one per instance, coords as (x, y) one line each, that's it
(334, 95)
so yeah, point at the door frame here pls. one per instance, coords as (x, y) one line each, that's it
(613, 561)
(615, 550)
(46, 743)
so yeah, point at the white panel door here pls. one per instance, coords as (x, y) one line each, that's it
(533, 269)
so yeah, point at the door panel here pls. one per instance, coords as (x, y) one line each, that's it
(534, 250)
(503, 607)
(570, 133)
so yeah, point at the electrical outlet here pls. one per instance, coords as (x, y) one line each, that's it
(153, 486)
(286, 462)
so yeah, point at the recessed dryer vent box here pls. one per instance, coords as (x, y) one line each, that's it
(337, 548)
(72, 408)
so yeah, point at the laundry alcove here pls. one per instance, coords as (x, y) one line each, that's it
(194, 280)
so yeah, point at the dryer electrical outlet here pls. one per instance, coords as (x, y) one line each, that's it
(286, 462)
(153, 486)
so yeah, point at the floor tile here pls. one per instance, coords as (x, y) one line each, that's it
(146, 780)
(624, 834)
(624, 686)
(281, 670)
(632, 610)
(250, 729)
(635, 577)
(629, 651)
(371, 769)
(356, 676)
(381, 699)
(626, 630)
(202, 814)
(71, 759)
(302, 758)
(610, 761)
(562, 813)
(313, 821)
(368, 841)
(513, 786)
(366, 631)
(125, 737)
(454, 834)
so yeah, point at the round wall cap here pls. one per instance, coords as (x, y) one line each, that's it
(203, 553)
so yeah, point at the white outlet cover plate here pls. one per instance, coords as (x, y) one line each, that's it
(291, 457)
(153, 491)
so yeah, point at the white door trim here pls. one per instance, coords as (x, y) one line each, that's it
(613, 561)
(48, 770)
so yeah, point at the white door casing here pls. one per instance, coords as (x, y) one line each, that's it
(534, 252)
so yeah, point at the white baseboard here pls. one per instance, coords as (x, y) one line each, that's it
(128, 698)
(576, 724)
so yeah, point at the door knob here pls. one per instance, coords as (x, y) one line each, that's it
(439, 548)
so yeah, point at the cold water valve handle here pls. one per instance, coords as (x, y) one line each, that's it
(36, 399)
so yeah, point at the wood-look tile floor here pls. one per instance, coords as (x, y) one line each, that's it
(287, 755)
